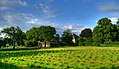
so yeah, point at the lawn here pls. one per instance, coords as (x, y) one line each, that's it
(61, 58)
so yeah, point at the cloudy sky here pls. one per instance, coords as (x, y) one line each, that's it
(61, 14)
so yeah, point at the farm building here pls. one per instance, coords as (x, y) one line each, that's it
(48, 44)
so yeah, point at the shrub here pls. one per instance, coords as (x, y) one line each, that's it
(96, 43)
(111, 44)
(85, 41)
(81, 44)
(30, 43)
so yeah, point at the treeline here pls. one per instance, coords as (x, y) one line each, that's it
(104, 33)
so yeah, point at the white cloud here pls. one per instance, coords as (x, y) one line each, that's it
(73, 25)
(22, 3)
(33, 21)
(13, 19)
(108, 7)
(24, 21)
(75, 28)
(68, 27)
(10, 4)
(113, 19)
(45, 8)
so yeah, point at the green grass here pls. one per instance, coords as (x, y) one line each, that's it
(61, 58)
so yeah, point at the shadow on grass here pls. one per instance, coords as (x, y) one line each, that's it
(27, 48)
(8, 66)
(17, 49)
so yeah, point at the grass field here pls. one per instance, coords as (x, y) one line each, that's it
(61, 58)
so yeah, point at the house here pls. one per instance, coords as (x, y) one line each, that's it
(74, 40)
(48, 44)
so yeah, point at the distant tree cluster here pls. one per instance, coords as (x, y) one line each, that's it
(104, 32)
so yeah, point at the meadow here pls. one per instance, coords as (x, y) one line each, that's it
(61, 58)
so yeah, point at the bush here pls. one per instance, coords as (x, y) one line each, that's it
(85, 41)
(111, 44)
(96, 43)
(81, 44)
(88, 43)
(30, 43)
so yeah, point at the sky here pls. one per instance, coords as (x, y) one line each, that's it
(75, 15)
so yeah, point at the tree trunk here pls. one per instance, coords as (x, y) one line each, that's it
(13, 45)
(45, 44)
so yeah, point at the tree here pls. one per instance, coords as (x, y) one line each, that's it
(56, 38)
(47, 33)
(20, 36)
(118, 21)
(86, 33)
(117, 25)
(1, 42)
(67, 37)
(105, 31)
(14, 33)
(42, 33)
(85, 37)
(75, 37)
(32, 35)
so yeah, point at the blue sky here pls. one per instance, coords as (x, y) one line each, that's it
(61, 14)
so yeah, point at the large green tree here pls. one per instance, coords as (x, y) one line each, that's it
(85, 37)
(32, 35)
(20, 36)
(105, 31)
(42, 33)
(56, 38)
(67, 37)
(87, 32)
(15, 33)
(47, 33)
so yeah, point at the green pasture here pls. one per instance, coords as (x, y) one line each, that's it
(61, 58)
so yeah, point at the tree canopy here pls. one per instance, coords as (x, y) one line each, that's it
(67, 37)
(47, 32)
(105, 31)
(85, 37)
(15, 34)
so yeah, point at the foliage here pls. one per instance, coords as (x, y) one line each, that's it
(118, 21)
(85, 38)
(47, 32)
(67, 37)
(105, 31)
(20, 36)
(76, 39)
(111, 44)
(42, 33)
(87, 32)
(2, 43)
(28, 43)
(32, 34)
(62, 58)
(56, 38)
(15, 34)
